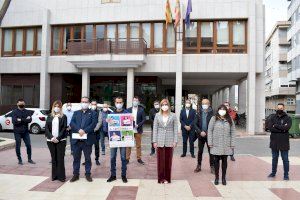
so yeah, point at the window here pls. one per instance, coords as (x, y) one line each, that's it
(290, 101)
(111, 31)
(171, 38)
(100, 31)
(191, 35)
(134, 31)
(158, 35)
(239, 33)
(147, 33)
(21, 41)
(122, 31)
(55, 38)
(207, 34)
(222, 34)
(89, 32)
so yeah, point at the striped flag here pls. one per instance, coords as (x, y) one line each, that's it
(188, 13)
(168, 14)
(177, 14)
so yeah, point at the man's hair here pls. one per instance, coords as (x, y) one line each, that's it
(136, 97)
(280, 104)
(93, 100)
(85, 97)
(119, 97)
(156, 101)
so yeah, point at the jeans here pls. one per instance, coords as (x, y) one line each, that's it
(285, 160)
(188, 135)
(26, 138)
(87, 151)
(113, 157)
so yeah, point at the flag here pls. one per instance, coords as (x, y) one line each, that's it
(188, 13)
(168, 13)
(177, 14)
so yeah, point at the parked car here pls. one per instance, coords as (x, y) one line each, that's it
(77, 106)
(37, 125)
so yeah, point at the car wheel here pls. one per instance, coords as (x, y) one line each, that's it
(1, 128)
(35, 129)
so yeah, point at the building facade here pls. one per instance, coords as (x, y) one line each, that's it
(278, 88)
(71, 48)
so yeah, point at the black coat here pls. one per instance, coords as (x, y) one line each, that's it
(187, 121)
(279, 127)
(140, 118)
(21, 126)
(152, 114)
(198, 121)
(62, 128)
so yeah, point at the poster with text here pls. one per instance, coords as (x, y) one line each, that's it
(120, 130)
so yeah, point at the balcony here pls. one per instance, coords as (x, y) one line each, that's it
(107, 53)
(282, 57)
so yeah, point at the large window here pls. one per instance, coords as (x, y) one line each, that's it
(224, 36)
(21, 41)
(158, 36)
(147, 34)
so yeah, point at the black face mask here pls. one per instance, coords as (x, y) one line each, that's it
(21, 106)
(279, 112)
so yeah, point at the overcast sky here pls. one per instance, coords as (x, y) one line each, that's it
(276, 10)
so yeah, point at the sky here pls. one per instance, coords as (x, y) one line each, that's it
(275, 10)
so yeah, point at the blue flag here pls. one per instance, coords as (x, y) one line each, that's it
(188, 13)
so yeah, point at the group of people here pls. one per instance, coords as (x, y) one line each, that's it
(216, 130)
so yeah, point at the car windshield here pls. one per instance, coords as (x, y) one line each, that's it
(45, 112)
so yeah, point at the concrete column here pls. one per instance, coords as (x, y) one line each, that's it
(260, 103)
(178, 89)
(231, 97)
(45, 53)
(130, 86)
(0, 90)
(221, 96)
(242, 96)
(298, 97)
(85, 83)
(251, 104)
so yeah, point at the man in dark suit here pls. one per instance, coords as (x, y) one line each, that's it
(83, 122)
(139, 116)
(187, 117)
(201, 125)
(152, 114)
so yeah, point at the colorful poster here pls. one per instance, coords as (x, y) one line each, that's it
(120, 130)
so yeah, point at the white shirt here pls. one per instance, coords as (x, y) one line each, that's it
(187, 112)
(134, 113)
(55, 126)
(165, 120)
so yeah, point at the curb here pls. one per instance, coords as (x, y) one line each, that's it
(7, 144)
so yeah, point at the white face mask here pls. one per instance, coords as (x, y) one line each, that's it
(156, 106)
(204, 107)
(119, 106)
(94, 107)
(69, 108)
(56, 109)
(187, 105)
(105, 109)
(84, 106)
(222, 112)
(165, 108)
(135, 103)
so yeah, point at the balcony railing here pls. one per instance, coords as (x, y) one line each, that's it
(107, 46)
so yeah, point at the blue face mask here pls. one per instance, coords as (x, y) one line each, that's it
(135, 103)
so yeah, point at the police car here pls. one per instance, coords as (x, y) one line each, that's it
(36, 126)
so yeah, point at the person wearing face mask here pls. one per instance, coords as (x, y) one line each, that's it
(221, 140)
(96, 130)
(56, 134)
(104, 126)
(279, 126)
(69, 114)
(21, 117)
(83, 123)
(165, 138)
(139, 118)
(201, 122)
(152, 114)
(187, 117)
(119, 103)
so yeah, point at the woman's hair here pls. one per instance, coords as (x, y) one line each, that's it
(59, 103)
(164, 101)
(227, 116)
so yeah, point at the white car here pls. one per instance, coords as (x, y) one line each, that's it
(36, 126)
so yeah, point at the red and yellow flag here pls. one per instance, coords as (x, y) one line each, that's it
(168, 14)
(177, 14)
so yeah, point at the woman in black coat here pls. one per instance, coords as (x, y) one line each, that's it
(56, 133)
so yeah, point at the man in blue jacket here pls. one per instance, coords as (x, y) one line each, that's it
(20, 119)
(83, 122)
(187, 117)
(139, 116)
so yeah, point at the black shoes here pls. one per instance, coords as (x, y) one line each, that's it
(31, 162)
(140, 161)
(232, 158)
(272, 175)
(124, 179)
(152, 153)
(88, 178)
(216, 181)
(20, 162)
(286, 178)
(224, 181)
(183, 155)
(198, 169)
(193, 156)
(74, 178)
(97, 162)
(111, 179)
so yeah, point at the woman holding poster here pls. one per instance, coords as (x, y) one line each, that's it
(165, 137)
